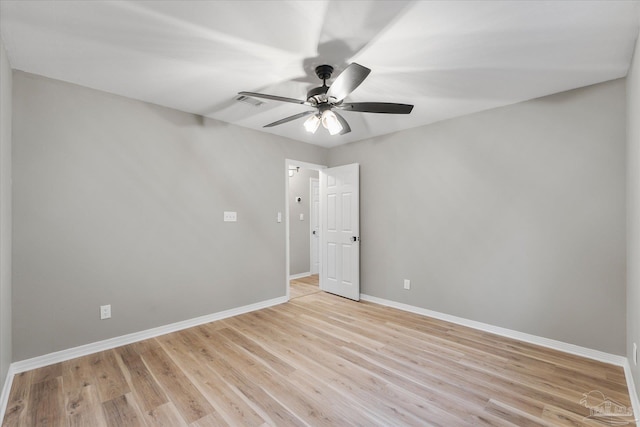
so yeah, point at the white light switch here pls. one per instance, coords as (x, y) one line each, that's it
(301, 217)
(105, 311)
(279, 216)
(407, 284)
(230, 216)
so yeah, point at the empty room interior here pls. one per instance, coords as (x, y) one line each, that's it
(319, 213)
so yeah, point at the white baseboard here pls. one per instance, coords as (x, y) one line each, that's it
(299, 275)
(633, 395)
(4, 397)
(84, 350)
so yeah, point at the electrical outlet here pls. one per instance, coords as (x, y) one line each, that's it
(407, 284)
(635, 354)
(230, 216)
(105, 312)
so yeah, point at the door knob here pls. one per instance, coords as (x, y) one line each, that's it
(354, 238)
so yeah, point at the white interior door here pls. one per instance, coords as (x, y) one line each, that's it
(340, 231)
(315, 226)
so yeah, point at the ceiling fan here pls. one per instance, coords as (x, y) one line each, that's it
(326, 99)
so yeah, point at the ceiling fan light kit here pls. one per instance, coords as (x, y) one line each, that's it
(330, 122)
(326, 98)
(312, 123)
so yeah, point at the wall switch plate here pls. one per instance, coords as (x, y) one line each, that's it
(230, 216)
(301, 217)
(407, 284)
(105, 311)
(279, 216)
(635, 354)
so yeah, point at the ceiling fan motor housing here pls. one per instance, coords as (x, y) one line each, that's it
(317, 95)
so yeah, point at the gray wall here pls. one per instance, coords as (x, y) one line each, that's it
(514, 216)
(5, 213)
(633, 212)
(121, 202)
(299, 231)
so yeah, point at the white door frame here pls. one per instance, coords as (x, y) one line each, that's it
(289, 163)
(312, 236)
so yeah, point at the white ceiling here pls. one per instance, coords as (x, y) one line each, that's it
(448, 58)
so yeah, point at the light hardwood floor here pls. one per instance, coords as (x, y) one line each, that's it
(304, 286)
(318, 360)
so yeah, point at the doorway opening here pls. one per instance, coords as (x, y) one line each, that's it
(302, 227)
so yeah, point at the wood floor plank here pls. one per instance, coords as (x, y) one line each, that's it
(166, 415)
(19, 398)
(84, 408)
(82, 400)
(147, 391)
(186, 397)
(46, 404)
(122, 412)
(109, 377)
(261, 354)
(303, 286)
(560, 417)
(489, 420)
(514, 415)
(211, 421)
(77, 373)
(318, 360)
(46, 373)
